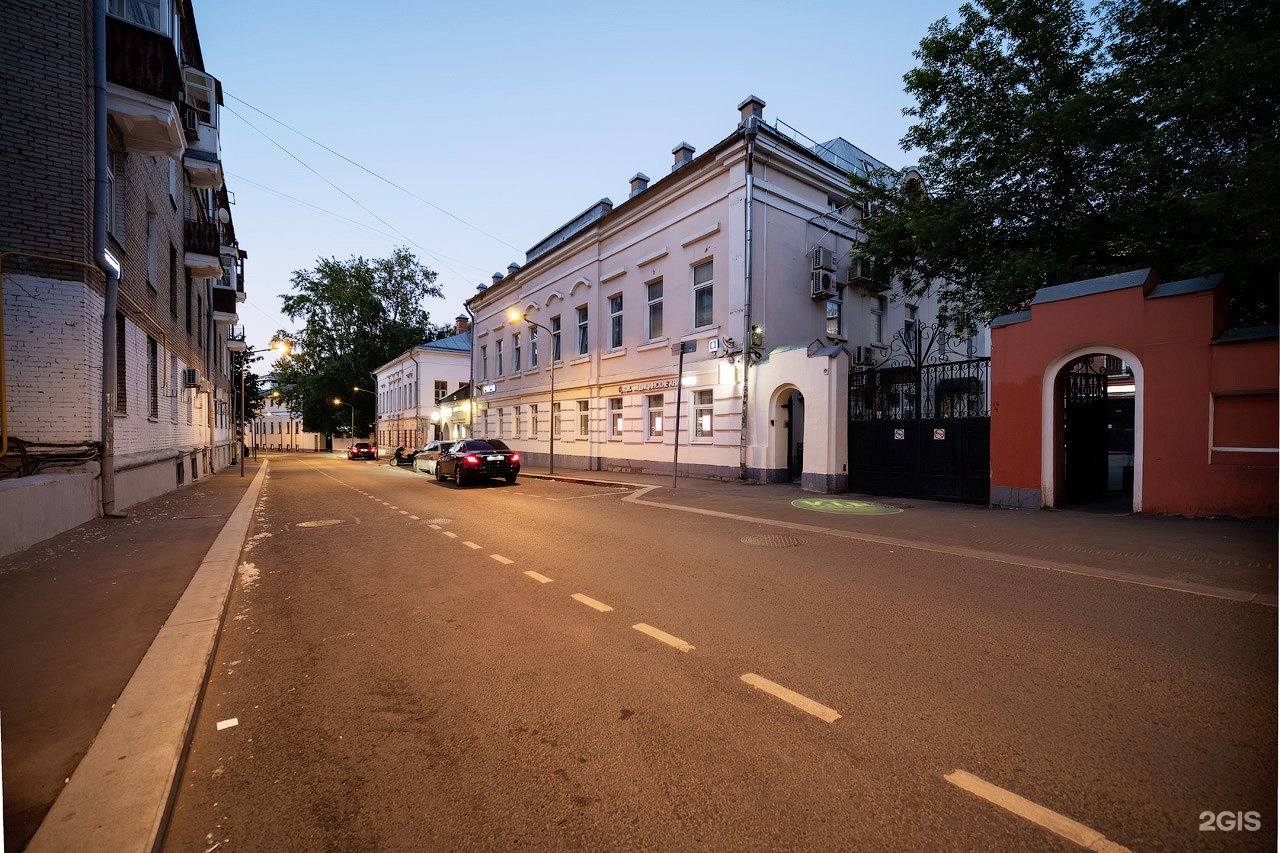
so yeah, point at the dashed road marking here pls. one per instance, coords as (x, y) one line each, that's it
(539, 578)
(435, 527)
(501, 559)
(663, 636)
(1061, 825)
(473, 546)
(415, 518)
(591, 602)
(404, 512)
(226, 724)
(804, 703)
(450, 534)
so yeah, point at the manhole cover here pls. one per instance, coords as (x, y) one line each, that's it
(774, 540)
(845, 506)
(324, 522)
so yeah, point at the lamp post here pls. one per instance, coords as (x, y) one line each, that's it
(281, 347)
(517, 317)
(356, 389)
(338, 401)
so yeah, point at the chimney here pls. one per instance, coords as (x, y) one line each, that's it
(497, 277)
(639, 183)
(513, 268)
(481, 287)
(684, 154)
(461, 325)
(751, 108)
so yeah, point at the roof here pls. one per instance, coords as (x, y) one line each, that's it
(453, 343)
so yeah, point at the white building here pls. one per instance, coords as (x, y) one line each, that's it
(740, 257)
(277, 427)
(412, 386)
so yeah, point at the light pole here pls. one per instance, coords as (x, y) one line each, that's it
(356, 389)
(517, 317)
(338, 401)
(281, 347)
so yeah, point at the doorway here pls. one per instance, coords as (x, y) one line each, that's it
(794, 414)
(1096, 449)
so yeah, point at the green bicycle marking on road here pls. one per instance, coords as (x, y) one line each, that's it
(845, 506)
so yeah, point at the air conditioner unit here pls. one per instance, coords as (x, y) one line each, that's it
(859, 272)
(821, 284)
(823, 259)
(864, 355)
(190, 120)
(190, 377)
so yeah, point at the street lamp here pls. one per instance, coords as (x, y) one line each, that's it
(516, 317)
(337, 401)
(281, 347)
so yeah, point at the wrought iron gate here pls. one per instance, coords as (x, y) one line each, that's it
(1084, 431)
(919, 422)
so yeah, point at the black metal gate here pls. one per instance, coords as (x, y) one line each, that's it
(919, 422)
(1084, 431)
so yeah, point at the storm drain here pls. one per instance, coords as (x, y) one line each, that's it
(774, 540)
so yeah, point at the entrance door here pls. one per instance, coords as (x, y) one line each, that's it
(1085, 415)
(795, 435)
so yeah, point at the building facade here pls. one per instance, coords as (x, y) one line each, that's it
(279, 428)
(708, 322)
(121, 269)
(418, 392)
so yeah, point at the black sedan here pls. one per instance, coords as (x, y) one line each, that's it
(477, 459)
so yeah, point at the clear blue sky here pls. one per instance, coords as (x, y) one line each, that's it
(513, 116)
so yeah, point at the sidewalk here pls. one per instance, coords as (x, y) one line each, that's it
(82, 615)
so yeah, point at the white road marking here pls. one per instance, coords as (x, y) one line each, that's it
(804, 703)
(226, 724)
(1061, 825)
(663, 636)
(415, 518)
(501, 559)
(393, 507)
(473, 546)
(404, 512)
(591, 602)
(450, 534)
(539, 578)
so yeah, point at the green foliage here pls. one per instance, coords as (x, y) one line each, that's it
(357, 315)
(1059, 145)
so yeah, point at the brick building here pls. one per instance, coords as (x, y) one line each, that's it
(121, 269)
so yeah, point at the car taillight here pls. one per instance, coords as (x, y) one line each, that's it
(515, 458)
(471, 459)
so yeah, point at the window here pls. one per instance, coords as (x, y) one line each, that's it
(533, 347)
(702, 413)
(834, 320)
(517, 424)
(189, 303)
(153, 378)
(200, 95)
(615, 321)
(199, 321)
(173, 181)
(555, 419)
(515, 353)
(653, 415)
(878, 306)
(909, 327)
(655, 309)
(533, 420)
(114, 191)
(702, 301)
(122, 387)
(583, 336)
(442, 389)
(484, 362)
(151, 249)
(173, 383)
(497, 354)
(584, 418)
(152, 14)
(615, 417)
(555, 339)
(502, 422)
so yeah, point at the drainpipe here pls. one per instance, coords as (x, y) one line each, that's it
(209, 347)
(110, 268)
(471, 373)
(750, 130)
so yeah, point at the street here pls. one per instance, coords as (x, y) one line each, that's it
(408, 665)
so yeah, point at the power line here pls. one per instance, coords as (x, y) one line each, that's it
(371, 172)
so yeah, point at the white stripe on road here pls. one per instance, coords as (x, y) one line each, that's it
(473, 546)
(403, 511)
(394, 507)
(501, 559)
(1069, 829)
(226, 724)
(539, 578)
(822, 712)
(663, 636)
(591, 602)
(450, 534)
(434, 526)
(415, 518)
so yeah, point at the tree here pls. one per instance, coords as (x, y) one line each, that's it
(357, 314)
(1057, 146)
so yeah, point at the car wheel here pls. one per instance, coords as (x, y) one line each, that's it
(511, 479)
(457, 477)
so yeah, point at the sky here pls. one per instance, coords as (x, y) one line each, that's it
(495, 123)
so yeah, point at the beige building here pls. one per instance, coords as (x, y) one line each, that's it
(709, 320)
(418, 392)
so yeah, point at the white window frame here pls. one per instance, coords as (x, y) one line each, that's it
(653, 410)
(615, 321)
(484, 362)
(555, 420)
(879, 305)
(834, 309)
(615, 418)
(533, 420)
(497, 356)
(515, 352)
(702, 406)
(584, 420)
(120, 9)
(699, 288)
(653, 306)
(584, 330)
(555, 339)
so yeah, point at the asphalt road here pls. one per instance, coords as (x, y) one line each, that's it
(411, 666)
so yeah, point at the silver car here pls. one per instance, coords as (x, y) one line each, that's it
(425, 460)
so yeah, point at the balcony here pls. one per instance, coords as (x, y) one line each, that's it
(224, 307)
(203, 170)
(201, 244)
(144, 88)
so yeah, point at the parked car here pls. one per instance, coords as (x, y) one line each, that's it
(476, 459)
(362, 450)
(424, 460)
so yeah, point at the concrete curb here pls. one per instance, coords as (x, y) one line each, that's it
(120, 794)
